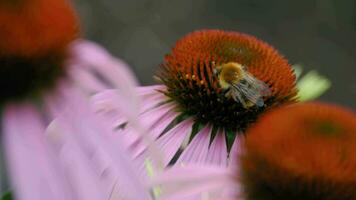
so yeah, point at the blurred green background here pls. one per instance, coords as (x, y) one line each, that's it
(318, 34)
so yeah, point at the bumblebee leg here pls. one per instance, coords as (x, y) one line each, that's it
(230, 94)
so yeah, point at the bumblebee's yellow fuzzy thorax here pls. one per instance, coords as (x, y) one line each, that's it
(231, 73)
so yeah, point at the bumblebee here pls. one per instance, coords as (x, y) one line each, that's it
(240, 85)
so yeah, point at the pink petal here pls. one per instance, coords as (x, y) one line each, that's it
(92, 57)
(151, 117)
(148, 119)
(34, 170)
(147, 90)
(112, 106)
(197, 150)
(189, 172)
(97, 58)
(109, 103)
(86, 80)
(191, 181)
(235, 151)
(170, 142)
(217, 154)
(77, 165)
(152, 101)
(157, 128)
(97, 143)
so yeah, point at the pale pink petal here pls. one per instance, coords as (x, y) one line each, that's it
(148, 119)
(217, 154)
(187, 182)
(152, 101)
(197, 150)
(138, 150)
(114, 100)
(99, 59)
(170, 142)
(92, 57)
(34, 170)
(151, 117)
(157, 128)
(86, 80)
(151, 96)
(147, 90)
(154, 132)
(77, 166)
(235, 151)
(109, 104)
(94, 137)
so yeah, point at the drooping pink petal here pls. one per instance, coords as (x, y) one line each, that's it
(77, 166)
(217, 154)
(185, 182)
(139, 150)
(99, 59)
(197, 150)
(148, 119)
(97, 143)
(157, 128)
(86, 80)
(151, 117)
(147, 90)
(170, 142)
(152, 101)
(94, 58)
(34, 170)
(235, 152)
(112, 106)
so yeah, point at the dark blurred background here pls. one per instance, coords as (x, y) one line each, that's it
(318, 34)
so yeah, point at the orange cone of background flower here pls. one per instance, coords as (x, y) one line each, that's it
(309, 153)
(190, 107)
(46, 71)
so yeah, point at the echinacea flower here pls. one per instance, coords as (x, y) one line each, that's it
(215, 84)
(309, 153)
(47, 70)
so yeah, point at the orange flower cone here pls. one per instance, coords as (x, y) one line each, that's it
(308, 153)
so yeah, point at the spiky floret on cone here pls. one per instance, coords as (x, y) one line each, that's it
(188, 71)
(309, 153)
(34, 36)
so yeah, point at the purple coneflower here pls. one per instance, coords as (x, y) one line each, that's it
(215, 84)
(309, 153)
(47, 71)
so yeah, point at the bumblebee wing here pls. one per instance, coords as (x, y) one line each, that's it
(257, 85)
(253, 90)
(263, 88)
(237, 95)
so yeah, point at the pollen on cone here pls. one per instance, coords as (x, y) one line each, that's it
(188, 72)
(305, 151)
(33, 27)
